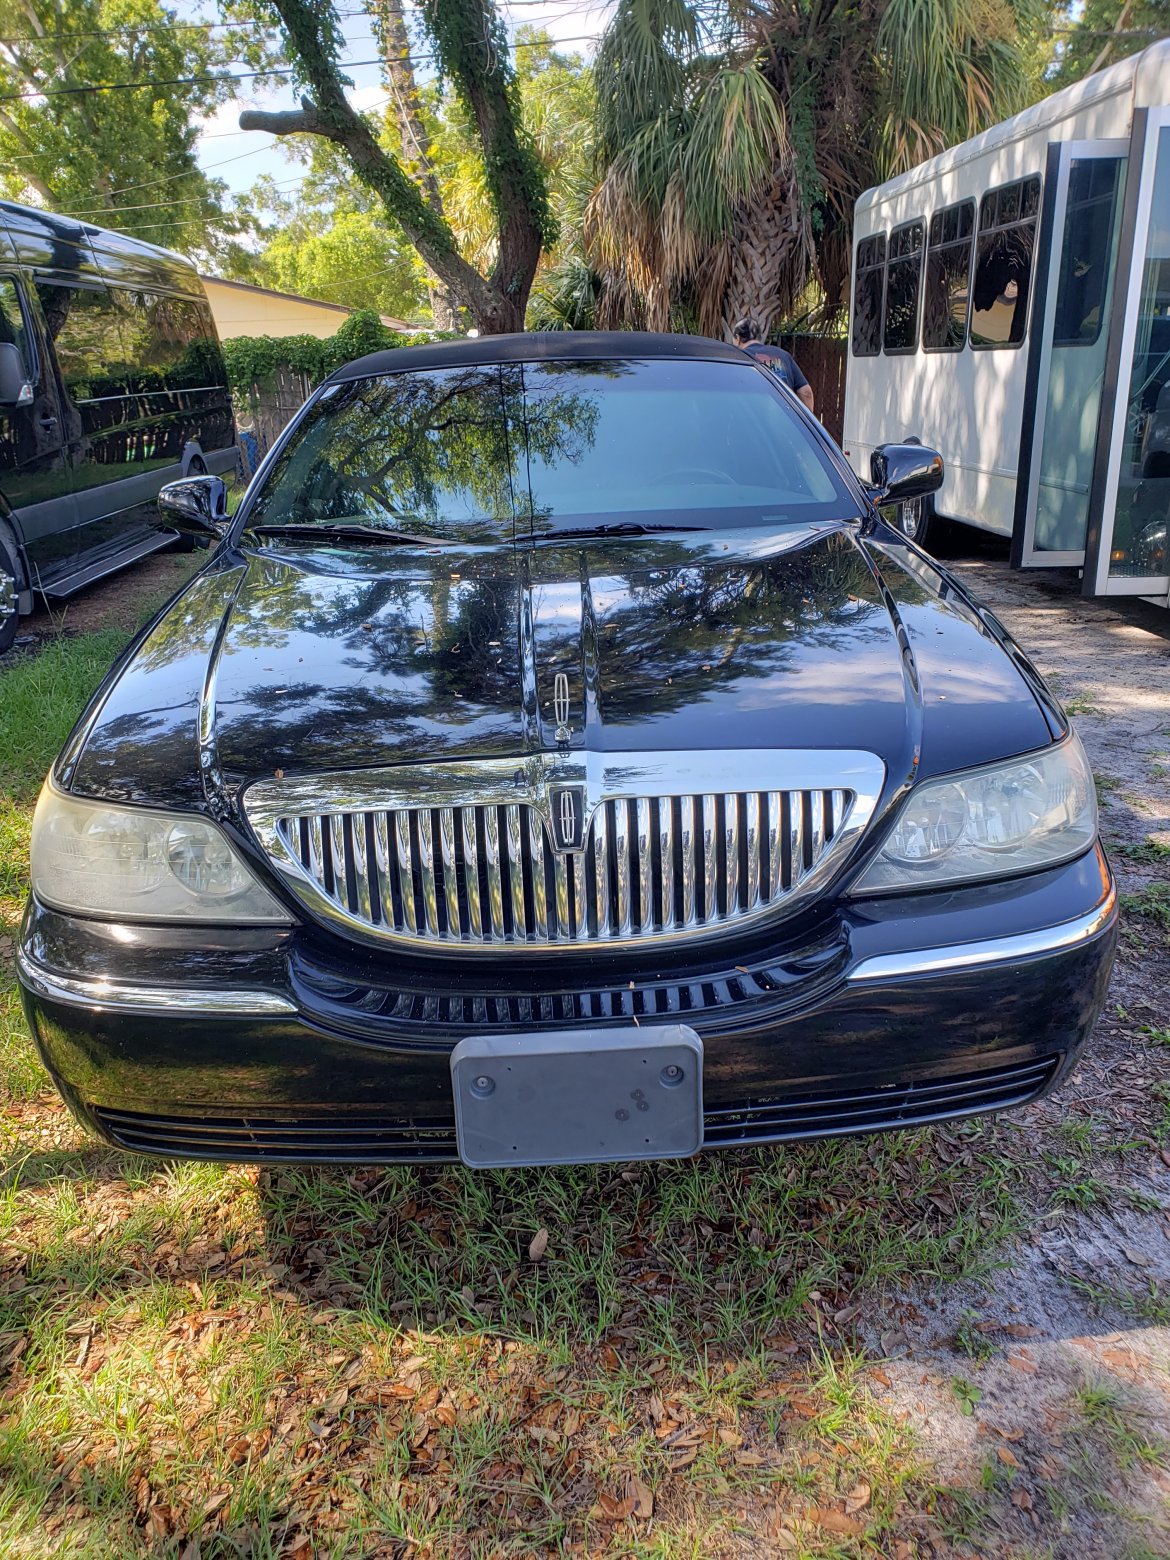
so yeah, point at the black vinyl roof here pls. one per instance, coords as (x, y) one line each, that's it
(531, 346)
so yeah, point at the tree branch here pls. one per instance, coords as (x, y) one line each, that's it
(295, 121)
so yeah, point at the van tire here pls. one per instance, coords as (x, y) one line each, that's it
(9, 592)
(915, 520)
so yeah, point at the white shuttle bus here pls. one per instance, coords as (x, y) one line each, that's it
(1011, 308)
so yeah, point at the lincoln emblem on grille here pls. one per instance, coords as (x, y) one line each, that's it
(567, 810)
(561, 706)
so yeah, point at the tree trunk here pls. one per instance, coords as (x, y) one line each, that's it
(770, 261)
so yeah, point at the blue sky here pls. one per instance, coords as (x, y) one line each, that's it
(240, 157)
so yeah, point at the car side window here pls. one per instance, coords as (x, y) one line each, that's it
(1003, 264)
(13, 326)
(948, 278)
(85, 327)
(867, 296)
(903, 283)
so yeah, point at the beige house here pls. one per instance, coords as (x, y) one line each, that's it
(243, 310)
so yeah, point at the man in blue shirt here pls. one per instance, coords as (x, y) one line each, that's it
(781, 363)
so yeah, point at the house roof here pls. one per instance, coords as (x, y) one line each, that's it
(316, 303)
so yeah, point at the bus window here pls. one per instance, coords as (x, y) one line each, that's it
(948, 278)
(867, 296)
(1003, 264)
(1086, 254)
(903, 279)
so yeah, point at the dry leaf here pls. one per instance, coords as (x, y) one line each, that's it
(1021, 1498)
(858, 1497)
(684, 1458)
(1006, 1455)
(730, 1437)
(835, 1521)
(749, 1459)
(1018, 1330)
(537, 1246)
(1020, 1363)
(642, 1496)
(614, 1510)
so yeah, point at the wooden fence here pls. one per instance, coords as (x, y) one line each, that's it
(822, 359)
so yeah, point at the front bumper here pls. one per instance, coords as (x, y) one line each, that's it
(273, 1044)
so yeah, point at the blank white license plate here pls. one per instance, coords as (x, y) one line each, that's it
(578, 1096)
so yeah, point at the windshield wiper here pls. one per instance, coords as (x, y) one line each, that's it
(621, 528)
(345, 531)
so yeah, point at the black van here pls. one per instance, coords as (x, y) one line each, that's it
(112, 383)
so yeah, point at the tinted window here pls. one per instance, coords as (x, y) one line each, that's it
(421, 452)
(903, 278)
(711, 443)
(476, 453)
(170, 342)
(867, 296)
(1003, 264)
(948, 275)
(12, 326)
(1086, 251)
(85, 327)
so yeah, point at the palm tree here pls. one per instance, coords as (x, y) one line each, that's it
(736, 135)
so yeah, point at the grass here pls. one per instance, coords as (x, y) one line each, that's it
(1146, 853)
(288, 1362)
(1152, 903)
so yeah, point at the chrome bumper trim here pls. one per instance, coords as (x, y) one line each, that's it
(87, 992)
(996, 950)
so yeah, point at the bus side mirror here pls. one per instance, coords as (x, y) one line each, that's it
(196, 506)
(902, 471)
(15, 389)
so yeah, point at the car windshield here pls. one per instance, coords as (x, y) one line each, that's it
(521, 451)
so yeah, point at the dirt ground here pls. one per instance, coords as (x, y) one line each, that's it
(1043, 1390)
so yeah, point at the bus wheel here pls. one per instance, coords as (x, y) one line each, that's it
(913, 518)
(9, 586)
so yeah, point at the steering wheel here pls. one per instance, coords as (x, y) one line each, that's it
(685, 473)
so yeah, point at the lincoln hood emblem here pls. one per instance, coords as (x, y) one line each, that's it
(561, 706)
(567, 811)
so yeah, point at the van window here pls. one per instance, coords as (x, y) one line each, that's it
(948, 278)
(169, 342)
(12, 326)
(1003, 264)
(903, 281)
(867, 296)
(1087, 251)
(84, 325)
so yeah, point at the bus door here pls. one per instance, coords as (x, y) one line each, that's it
(1128, 553)
(1076, 278)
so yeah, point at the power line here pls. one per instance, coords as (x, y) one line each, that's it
(249, 75)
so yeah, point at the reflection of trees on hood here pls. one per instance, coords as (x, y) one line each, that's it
(423, 451)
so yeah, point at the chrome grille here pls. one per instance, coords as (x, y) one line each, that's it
(487, 874)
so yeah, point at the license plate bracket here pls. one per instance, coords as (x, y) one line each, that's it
(578, 1096)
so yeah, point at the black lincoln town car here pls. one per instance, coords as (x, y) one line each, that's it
(561, 760)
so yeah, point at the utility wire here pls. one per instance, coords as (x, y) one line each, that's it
(249, 75)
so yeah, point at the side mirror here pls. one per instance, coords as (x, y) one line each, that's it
(902, 471)
(15, 389)
(196, 506)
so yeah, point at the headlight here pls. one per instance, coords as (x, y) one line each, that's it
(990, 823)
(127, 864)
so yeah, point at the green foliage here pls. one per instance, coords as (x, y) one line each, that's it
(255, 359)
(1097, 33)
(472, 48)
(123, 158)
(357, 260)
(557, 106)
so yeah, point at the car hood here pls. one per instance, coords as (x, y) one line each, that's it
(291, 660)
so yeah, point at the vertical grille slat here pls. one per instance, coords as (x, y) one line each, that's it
(515, 858)
(486, 874)
(494, 912)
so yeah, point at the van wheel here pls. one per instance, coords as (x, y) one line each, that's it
(186, 544)
(914, 519)
(9, 586)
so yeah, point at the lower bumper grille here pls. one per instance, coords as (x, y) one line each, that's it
(276, 1136)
